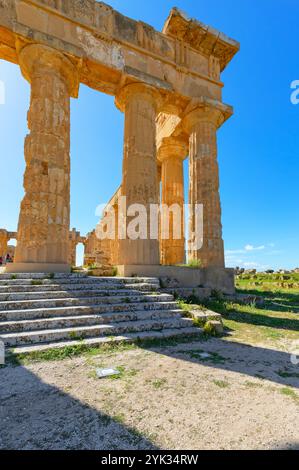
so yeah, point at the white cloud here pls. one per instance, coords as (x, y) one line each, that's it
(234, 252)
(243, 257)
(247, 248)
(254, 248)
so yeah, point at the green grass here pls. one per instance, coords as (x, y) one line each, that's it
(193, 264)
(273, 321)
(221, 383)
(251, 384)
(88, 351)
(36, 283)
(289, 392)
(268, 278)
(159, 383)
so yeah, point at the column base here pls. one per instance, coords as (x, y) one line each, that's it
(37, 268)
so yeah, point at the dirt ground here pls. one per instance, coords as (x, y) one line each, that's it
(171, 397)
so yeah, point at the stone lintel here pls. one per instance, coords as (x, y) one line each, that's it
(132, 74)
(8, 234)
(205, 39)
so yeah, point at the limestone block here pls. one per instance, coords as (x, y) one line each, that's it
(214, 327)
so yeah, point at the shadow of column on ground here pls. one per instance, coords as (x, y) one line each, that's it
(45, 417)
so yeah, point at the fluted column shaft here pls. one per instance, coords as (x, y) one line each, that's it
(172, 154)
(140, 103)
(43, 230)
(202, 124)
(3, 243)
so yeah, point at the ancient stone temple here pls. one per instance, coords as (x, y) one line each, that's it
(168, 86)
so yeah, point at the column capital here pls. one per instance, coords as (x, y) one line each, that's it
(33, 57)
(148, 93)
(205, 110)
(172, 147)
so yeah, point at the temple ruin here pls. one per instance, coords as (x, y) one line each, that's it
(167, 84)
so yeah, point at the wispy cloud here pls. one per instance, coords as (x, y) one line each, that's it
(234, 252)
(247, 261)
(254, 248)
(247, 248)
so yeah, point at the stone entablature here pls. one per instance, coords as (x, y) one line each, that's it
(108, 47)
(207, 40)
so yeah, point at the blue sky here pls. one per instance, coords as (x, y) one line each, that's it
(258, 147)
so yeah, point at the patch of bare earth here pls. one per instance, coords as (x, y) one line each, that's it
(240, 397)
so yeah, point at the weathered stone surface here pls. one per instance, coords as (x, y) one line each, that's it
(169, 87)
(74, 239)
(201, 122)
(121, 306)
(140, 103)
(215, 327)
(172, 154)
(107, 43)
(43, 229)
(5, 236)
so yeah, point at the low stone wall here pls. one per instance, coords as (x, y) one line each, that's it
(200, 293)
(221, 279)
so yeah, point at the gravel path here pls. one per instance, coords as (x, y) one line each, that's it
(240, 397)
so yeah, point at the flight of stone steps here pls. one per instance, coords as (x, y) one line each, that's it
(41, 311)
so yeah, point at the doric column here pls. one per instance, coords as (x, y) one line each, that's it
(140, 103)
(3, 243)
(201, 123)
(43, 230)
(72, 253)
(114, 243)
(73, 240)
(172, 153)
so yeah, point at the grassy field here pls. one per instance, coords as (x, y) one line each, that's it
(272, 318)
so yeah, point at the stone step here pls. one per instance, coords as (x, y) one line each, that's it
(30, 314)
(65, 294)
(83, 286)
(42, 336)
(10, 276)
(98, 342)
(84, 320)
(94, 300)
(203, 316)
(39, 312)
(70, 280)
